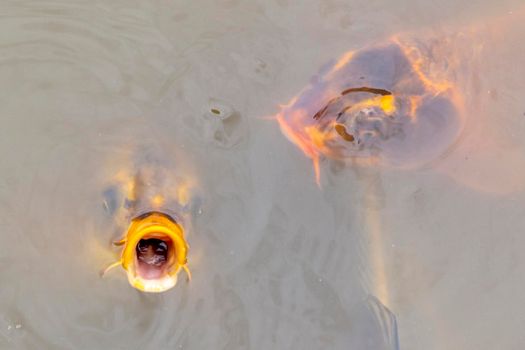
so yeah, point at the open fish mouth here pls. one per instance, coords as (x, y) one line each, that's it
(152, 256)
(154, 252)
(373, 115)
(381, 105)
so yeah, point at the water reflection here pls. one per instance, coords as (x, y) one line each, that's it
(89, 85)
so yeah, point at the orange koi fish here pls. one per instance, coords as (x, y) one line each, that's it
(154, 245)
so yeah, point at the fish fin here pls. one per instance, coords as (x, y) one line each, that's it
(115, 264)
(386, 321)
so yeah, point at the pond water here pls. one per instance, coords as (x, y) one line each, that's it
(372, 256)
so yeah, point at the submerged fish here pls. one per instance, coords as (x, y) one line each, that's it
(154, 245)
(381, 103)
(444, 99)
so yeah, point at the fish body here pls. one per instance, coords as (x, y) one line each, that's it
(156, 210)
(381, 103)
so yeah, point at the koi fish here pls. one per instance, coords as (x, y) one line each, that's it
(154, 247)
(380, 103)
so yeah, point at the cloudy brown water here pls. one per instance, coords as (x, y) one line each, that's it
(374, 258)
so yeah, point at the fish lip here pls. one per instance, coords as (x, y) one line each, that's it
(160, 226)
(153, 285)
(157, 213)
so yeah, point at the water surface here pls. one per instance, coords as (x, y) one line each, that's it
(88, 86)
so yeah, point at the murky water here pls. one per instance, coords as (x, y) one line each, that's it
(427, 257)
